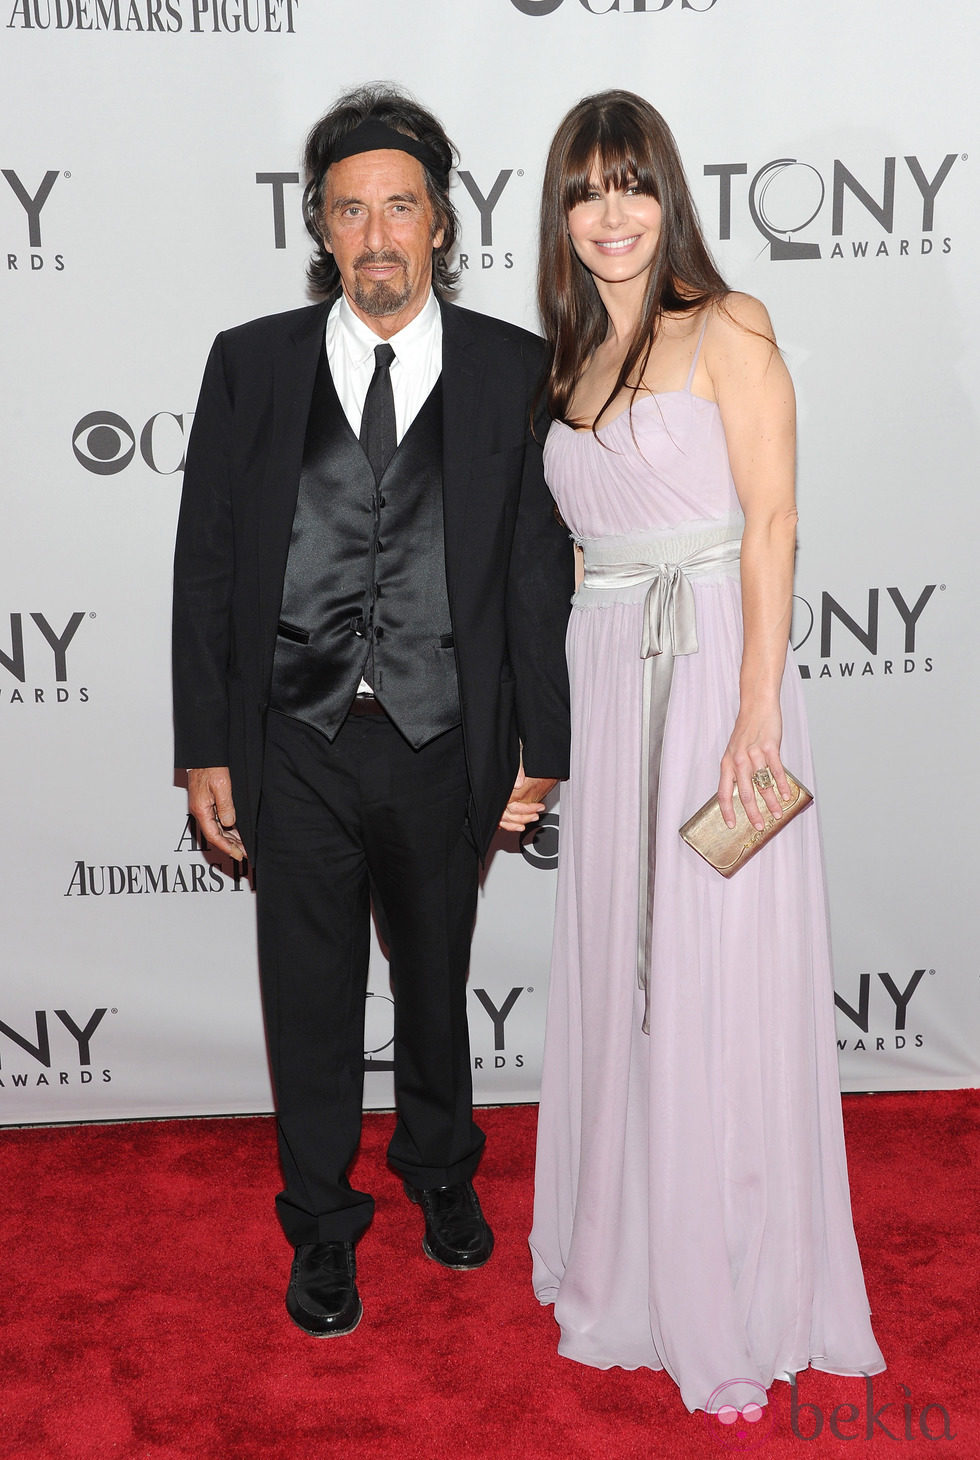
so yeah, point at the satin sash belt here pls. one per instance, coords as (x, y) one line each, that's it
(657, 567)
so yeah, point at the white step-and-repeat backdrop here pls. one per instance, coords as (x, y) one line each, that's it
(149, 197)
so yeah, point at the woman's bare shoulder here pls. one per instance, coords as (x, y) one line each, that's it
(736, 315)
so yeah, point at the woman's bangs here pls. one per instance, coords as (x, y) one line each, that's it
(619, 162)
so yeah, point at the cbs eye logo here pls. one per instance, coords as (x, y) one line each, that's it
(105, 444)
(539, 843)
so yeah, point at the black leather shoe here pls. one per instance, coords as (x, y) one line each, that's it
(322, 1294)
(456, 1231)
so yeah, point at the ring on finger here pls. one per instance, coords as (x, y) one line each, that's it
(762, 778)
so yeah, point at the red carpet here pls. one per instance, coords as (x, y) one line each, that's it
(143, 1314)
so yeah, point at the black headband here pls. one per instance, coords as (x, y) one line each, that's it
(374, 136)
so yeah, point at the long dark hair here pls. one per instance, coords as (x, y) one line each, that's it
(397, 110)
(626, 140)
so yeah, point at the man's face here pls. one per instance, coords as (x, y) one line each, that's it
(379, 225)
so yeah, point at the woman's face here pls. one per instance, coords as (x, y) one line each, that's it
(615, 233)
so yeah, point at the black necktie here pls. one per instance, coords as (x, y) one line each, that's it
(378, 420)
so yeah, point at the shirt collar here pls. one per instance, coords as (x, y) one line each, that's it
(360, 341)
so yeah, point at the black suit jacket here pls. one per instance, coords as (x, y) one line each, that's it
(508, 562)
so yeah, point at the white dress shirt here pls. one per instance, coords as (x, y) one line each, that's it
(414, 371)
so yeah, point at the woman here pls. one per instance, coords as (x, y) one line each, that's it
(691, 1198)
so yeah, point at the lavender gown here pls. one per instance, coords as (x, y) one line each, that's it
(691, 1199)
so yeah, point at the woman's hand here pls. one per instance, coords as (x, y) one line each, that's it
(753, 747)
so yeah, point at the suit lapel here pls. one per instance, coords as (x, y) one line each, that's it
(293, 374)
(463, 366)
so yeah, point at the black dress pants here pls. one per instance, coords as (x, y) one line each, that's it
(335, 817)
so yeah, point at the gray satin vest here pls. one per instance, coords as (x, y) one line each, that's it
(364, 592)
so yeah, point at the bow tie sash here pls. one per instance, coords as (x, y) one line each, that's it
(619, 569)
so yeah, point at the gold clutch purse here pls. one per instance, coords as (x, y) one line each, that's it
(728, 849)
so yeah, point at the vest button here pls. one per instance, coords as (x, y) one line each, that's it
(382, 502)
(357, 627)
(379, 635)
(381, 547)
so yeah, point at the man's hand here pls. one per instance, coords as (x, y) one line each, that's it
(211, 805)
(526, 801)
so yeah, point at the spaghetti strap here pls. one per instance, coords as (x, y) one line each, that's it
(697, 354)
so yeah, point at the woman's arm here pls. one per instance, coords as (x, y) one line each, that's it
(758, 411)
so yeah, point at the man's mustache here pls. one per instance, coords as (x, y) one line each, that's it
(386, 257)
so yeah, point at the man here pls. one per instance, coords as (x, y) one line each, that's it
(371, 592)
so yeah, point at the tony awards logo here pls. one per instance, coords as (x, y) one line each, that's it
(876, 208)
